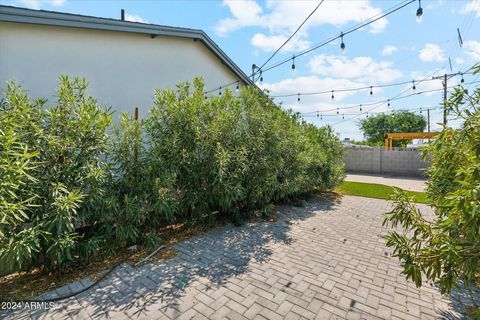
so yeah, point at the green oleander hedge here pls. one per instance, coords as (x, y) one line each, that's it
(74, 185)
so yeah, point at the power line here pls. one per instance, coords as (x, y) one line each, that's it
(341, 35)
(354, 28)
(333, 91)
(397, 97)
(289, 38)
(380, 103)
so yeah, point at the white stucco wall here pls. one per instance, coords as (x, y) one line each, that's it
(122, 68)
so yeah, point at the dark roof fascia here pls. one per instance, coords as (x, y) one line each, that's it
(51, 18)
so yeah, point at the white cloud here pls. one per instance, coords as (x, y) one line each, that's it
(459, 61)
(271, 43)
(432, 53)
(134, 18)
(472, 6)
(281, 18)
(473, 48)
(360, 68)
(388, 50)
(245, 13)
(39, 4)
(432, 5)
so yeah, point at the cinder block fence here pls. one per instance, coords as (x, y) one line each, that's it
(376, 160)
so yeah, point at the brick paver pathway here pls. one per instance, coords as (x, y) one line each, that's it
(323, 261)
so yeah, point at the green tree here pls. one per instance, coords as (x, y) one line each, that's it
(447, 247)
(375, 127)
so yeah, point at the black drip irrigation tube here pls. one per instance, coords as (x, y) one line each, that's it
(72, 294)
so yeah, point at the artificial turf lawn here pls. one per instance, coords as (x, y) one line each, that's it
(373, 190)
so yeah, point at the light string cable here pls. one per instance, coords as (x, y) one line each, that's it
(341, 35)
(388, 100)
(397, 98)
(355, 28)
(289, 38)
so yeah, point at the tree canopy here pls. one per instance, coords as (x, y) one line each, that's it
(375, 127)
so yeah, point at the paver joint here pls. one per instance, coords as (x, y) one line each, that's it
(323, 261)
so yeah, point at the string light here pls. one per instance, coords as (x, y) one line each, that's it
(261, 76)
(343, 116)
(413, 87)
(420, 110)
(220, 91)
(293, 64)
(419, 11)
(371, 90)
(330, 90)
(463, 80)
(382, 102)
(298, 98)
(333, 97)
(330, 40)
(342, 45)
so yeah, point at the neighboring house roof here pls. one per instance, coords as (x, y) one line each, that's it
(51, 18)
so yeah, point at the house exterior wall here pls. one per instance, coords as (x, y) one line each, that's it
(379, 161)
(122, 68)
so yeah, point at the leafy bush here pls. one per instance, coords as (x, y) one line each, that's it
(55, 174)
(73, 185)
(447, 248)
(232, 154)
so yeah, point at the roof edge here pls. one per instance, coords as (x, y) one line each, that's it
(60, 19)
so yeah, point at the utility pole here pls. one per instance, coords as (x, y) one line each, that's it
(428, 119)
(445, 99)
(445, 78)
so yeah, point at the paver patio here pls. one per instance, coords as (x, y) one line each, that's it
(323, 261)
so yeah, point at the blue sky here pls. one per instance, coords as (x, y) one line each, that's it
(394, 49)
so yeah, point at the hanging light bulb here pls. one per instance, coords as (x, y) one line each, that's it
(360, 108)
(419, 11)
(333, 97)
(206, 96)
(420, 110)
(342, 45)
(298, 98)
(413, 87)
(321, 118)
(261, 76)
(388, 102)
(337, 111)
(293, 64)
(318, 114)
(463, 80)
(343, 116)
(371, 90)
(220, 91)
(367, 114)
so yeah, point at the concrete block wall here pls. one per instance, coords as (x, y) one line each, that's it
(376, 160)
